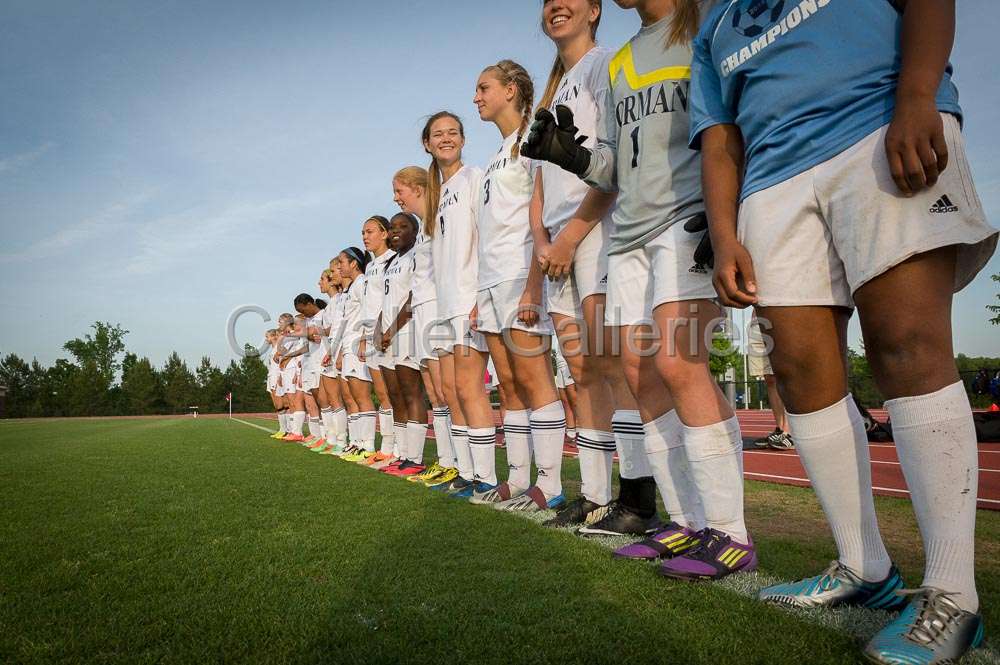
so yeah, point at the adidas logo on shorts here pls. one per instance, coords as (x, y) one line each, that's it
(604, 280)
(943, 205)
(698, 268)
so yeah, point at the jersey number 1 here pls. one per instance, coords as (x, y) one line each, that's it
(635, 147)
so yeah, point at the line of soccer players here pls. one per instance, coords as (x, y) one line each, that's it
(804, 158)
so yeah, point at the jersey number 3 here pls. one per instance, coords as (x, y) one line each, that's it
(486, 186)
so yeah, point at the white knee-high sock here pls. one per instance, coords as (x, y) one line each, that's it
(352, 428)
(397, 444)
(482, 444)
(517, 437)
(298, 420)
(416, 437)
(282, 424)
(936, 442)
(340, 424)
(463, 453)
(442, 437)
(669, 462)
(630, 441)
(833, 447)
(715, 457)
(597, 451)
(548, 432)
(315, 427)
(366, 428)
(386, 427)
(329, 426)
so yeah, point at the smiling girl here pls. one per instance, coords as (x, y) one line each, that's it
(360, 421)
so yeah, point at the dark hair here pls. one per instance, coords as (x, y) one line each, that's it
(356, 255)
(304, 299)
(320, 303)
(410, 216)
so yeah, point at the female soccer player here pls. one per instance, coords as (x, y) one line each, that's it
(450, 221)
(374, 236)
(836, 176)
(409, 191)
(291, 347)
(509, 307)
(332, 409)
(394, 334)
(361, 422)
(571, 226)
(692, 439)
(271, 337)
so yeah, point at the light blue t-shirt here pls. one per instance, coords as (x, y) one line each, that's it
(803, 79)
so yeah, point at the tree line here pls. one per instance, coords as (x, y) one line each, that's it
(103, 378)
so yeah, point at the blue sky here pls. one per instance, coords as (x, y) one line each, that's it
(163, 163)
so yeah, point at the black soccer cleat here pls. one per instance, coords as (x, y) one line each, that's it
(621, 521)
(579, 511)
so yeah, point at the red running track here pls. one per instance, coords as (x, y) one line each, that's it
(784, 467)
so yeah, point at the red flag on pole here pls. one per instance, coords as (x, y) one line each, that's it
(229, 397)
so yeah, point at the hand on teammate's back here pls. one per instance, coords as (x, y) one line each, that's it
(555, 140)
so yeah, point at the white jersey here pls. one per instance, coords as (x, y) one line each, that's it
(313, 359)
(397, 284)
(456, 243)
(423, 271)
(584, 89)
(272, 364)
(332, 317)
(290, 345)
(373, 292)
(504, 231)
(350, 324)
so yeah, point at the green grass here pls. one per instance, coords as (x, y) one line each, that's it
(203, 540)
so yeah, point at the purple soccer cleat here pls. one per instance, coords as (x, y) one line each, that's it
(673, 540)
(715, 556)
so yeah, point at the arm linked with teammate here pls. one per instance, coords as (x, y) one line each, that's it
(590, 213)
(539, 234)
(914, 142)
(721, 168)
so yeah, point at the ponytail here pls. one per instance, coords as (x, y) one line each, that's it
(432, 193)
(558, 69)
(684, 25)
(509, 72)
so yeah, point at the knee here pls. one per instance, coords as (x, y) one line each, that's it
(679, 373)
(632, 372)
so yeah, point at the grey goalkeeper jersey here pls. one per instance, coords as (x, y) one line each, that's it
(642, 148)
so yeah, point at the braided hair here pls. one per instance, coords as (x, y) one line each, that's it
(509, 72)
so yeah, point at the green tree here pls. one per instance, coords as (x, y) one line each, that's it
(995, 309)
(16, 374)
(179, 388)
(247, 379)
(86, 391)
(103, 349)
(142, 391)
(212, 386)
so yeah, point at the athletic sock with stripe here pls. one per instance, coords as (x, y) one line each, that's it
(442, 437)
(833, 447)
(548, 432)
(596, 455)
(463, 453)
(482, 444)
(416, 437)
(517, 438)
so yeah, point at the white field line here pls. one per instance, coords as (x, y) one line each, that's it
(260, 427)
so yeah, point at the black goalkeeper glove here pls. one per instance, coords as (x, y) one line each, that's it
(703, 254)
(554, 139)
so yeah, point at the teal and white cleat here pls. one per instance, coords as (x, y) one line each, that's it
(838, 585)
(932, 630)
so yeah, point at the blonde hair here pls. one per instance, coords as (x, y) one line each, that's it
(433, 190)
(509, 72)
(684, 24)
(414, 177)
(559, 70)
